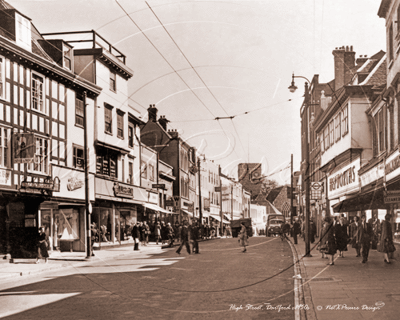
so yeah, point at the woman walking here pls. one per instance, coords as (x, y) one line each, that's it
(330, 241)
(353, 235)
(42, 246)
(324, 237)
(341, 236)
(157, 232)
(243, 236)
(386, 241)
(136, 235)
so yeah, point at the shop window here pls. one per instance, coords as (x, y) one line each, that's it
(113, 81)
(78, 158)
(67, 221)
(41, 158)
(143, 170)
(108, 119)
(4, 147)
(38, 93)
(79, 112)
(151, 172)
(106, 164)
(120, 124)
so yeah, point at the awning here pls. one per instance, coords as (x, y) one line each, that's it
(102, 144)
(155, 207)
(366, 201)
(227, 216)
(215, 217)
(188, 213)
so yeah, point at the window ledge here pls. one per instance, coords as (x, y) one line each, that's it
(79, 126)
(109, 133)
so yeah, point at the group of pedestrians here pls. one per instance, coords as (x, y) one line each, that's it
(337, 233)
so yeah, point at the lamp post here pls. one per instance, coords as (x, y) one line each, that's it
(306, 177)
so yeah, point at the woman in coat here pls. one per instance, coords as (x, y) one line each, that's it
(42, 245)
(353, 235)
(386, 241)
(324, 237)
(243, 236)
(136, 235)
(330, 240)
(341, 236)
(157, 232)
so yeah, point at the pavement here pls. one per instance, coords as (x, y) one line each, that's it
(26, 267)
(349, 289)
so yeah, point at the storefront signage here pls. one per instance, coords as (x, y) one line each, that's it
(170, 203)
(315, 190)
(372, 175)
(24, 147)
(392, 197)
(74, 183)
(122, 191)
(392, 165)
(5, 177)
(158, 186)
(48, 184)
(344, 180)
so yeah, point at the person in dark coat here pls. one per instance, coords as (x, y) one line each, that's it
(195, 237)
(42, 245)
(330, 241)
(353, 235)
(341, 236)
(324, 237)
(185, 237)
(136, 235)
(243, 236)
(364, 235)
(376, 230)
(386, 240)
(296, 230)
(143, 234)
(93, 232)
(312, 231)
(164, 235)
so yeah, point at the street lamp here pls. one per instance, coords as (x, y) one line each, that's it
(306, 179)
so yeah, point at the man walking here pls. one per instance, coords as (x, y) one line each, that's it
(185, 237)
(170, 234)
(195, 237)
(364, 235)
(296, 230)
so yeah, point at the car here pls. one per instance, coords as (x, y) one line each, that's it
(274, 227)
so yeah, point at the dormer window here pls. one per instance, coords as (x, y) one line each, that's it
(23, 32)
(67, 57)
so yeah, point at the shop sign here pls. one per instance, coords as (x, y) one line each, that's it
(122, 191)
(372, 175)
(169, 203)
(47, 185)
(24, 147)
(391, 166)
(158, 186)
(153, 197)
(5, 177)
(344, 180)
(315, 190)
(392, 197)
(74, 183)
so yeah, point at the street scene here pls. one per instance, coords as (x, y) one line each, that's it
(201, 159)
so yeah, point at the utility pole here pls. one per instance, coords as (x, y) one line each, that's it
(307, 174)
(88, 208)
(199, 172)
(291, 188)
(220, 196)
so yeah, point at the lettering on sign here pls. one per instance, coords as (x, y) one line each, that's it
(342, 179)
(122, 191)
(392, 165)
(74, 183)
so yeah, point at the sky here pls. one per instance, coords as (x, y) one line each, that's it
(235, 61)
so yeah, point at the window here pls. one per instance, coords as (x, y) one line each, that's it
(78, 158)
(390, 42)
(108, 118)
(337, 127)
(151, 172)
(120, 124)
(391, 126)
(143, 170)
(106, 163)
(41, 156)
(2, 77)
(113, 82)
(23, 32)
(331, 133)
(381, 137)
(37, 93)
(79, 112)
(326, 137)
(345, 121)
(131, 133)
(4, 147)
(130, 168)
(67, 56)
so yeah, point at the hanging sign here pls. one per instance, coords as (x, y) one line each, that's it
(24, 147)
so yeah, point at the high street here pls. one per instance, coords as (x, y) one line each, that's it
(219, 283)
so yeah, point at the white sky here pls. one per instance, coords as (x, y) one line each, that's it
(245, 52)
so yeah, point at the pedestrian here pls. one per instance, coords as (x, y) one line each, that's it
(296, 230)
(212, 231)
(185, 237)
(195, 237)
(312, 231)
(206, 231)
(42, 245)
(353, 235)
(157, 232)
(323, 248)
(330, 241)
(147, 227)
(93, 235)
(170, 234)
(386, 240)
(177, 231)
(243, 236)
(364, 234)
(143, 234)
(376, 230)
(136, 235)
(284, 230)
(341, 236)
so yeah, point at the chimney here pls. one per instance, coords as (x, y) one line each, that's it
(344, 58)
(173, 133)
(361, 60)
(152, 110)
(163, 122)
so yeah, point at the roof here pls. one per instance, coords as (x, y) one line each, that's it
(6, 6)
(273, 194)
